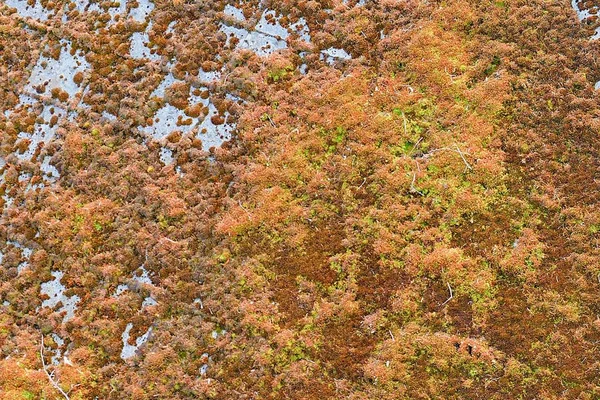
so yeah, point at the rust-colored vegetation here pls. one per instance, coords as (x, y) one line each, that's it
(415, 220)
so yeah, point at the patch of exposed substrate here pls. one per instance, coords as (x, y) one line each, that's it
(171, 27)
(143, 278)
(167, 82)
(265, 39)
(36, 11)
(261, 44)
(170, 118)
(142, 11)
(139, 14)
(46, 75)
(25, 253)
(167, 119)
(128, 349)
(198, 301)
(8, 201)
(148, 302)
(267, 27)
(204, 368)
(43, 132)
(303, 68)
(216, 333)
(58, 352)
(234, 12)
(332, 54)
(51, 174)
(359, 3)
(108, 116)
(58, 74)
(140, 42)
(86, 6)
(139, 46)
(115, 11)
(120, 290)
(205, 359)
(166, 156)
(26, 177)
(234, 98)
(209, 76)
(214, 135)
(301, 28)
(583, 14)
(56, 291)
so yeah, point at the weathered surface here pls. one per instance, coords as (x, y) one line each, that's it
(299, 200)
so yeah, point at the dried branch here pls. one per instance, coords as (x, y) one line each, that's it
(415, 146)
(456, 150)
(467, 165)
(247, 212)
(50, 378)
(451, 294)
(410, 88)
(413, 188)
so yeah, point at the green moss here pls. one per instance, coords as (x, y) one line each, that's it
(279, 74)
(494, 64)
(25, 394)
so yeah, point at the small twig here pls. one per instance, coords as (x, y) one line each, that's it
(451, 294)
(449, 74)
(73, 387)
(456, 149)
(415, 146)
(410, 88)
(467, 165)
(48, 374)
(392, 335)
(413, 189)
(247, 212)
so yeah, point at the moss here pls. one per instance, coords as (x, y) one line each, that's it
(279, 74)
